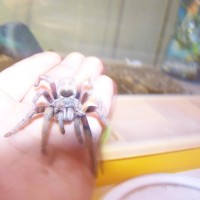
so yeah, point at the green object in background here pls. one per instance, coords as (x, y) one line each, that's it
(106, 133)
(183, 52)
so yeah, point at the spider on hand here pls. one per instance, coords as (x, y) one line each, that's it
(66, 103)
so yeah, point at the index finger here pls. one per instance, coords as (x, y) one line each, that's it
(17, 79)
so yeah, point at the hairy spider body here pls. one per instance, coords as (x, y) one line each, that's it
(66, 103)
(69, 107)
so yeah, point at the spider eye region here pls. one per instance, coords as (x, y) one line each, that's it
(67, 93)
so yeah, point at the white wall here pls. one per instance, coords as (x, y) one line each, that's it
(115, 29)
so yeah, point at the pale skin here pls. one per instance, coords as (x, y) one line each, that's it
(64, 173)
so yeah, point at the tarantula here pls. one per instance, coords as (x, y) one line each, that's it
(66, 103)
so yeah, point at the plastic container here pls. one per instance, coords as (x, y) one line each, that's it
(152, 134)
(156, 187)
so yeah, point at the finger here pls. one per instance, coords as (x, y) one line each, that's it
(16, 80)
(104, 90)
(91, 68)
(67, 68)
(5, 101)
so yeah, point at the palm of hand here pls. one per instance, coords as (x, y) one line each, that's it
(26, 173)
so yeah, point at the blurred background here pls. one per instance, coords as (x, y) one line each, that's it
(131, 37)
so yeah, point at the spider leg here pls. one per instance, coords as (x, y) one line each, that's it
(51, 83)
(60, 118)
(95, 107)
(48, 114)
(84, 97)
(77, 124)
(43, 93)
(25, 120)
(83, 89)
(99, 112)
(89, 144)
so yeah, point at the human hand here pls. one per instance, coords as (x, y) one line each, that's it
(64, 172)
